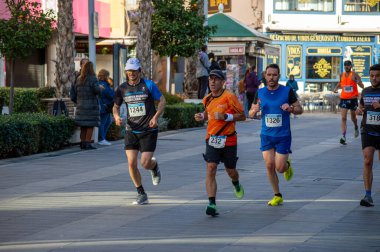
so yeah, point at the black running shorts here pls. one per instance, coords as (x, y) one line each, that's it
(369, 140)
(144, 142)
(351, 104)
(226, 155)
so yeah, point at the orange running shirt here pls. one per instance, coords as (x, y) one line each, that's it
(349, 87)
(227, 102)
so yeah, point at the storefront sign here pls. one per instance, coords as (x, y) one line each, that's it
(213, 6)
(322, 68)
(273, 56)
(320, 38)
(324, 51)
(294, 61)
(235, 49)
(361, 60)
(319, 67)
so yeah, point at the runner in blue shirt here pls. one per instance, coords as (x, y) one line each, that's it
(276, 102)
(141, 125)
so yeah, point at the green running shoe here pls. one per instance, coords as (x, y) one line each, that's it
(277, 200)
(239, 194)
(288, 174)
(212, 210)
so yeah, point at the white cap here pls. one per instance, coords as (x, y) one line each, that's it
(132, 64)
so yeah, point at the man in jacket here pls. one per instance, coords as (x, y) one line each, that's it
(203, 66)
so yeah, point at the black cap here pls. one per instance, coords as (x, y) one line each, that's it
(347, 63)
(217, 73)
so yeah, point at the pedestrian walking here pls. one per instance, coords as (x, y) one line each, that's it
(141, 124)
(87, 114)
(106, 105)
(370, 129)
(222, 110)
(203, 68)
(251, 86)
(276, 102)
(349, 81)
(292, 83)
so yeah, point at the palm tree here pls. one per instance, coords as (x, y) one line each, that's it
(191, 82)
(65, 48)
(144, 31)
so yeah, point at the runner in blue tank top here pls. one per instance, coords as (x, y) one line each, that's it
(276, 103)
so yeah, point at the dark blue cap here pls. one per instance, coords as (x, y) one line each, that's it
(217, 73)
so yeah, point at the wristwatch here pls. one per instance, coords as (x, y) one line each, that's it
(225, 116)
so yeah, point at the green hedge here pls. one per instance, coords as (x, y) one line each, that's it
(172, 99)
(181, 115)
(28, 99)
(25, 134)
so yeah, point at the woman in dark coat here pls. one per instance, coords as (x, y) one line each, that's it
(87, 113)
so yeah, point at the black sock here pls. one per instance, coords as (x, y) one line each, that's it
(236, 184)
(278, 194)
(212, 200)
(140, 190)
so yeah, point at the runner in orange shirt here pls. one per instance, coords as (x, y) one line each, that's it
(222, 109)
(349, 81)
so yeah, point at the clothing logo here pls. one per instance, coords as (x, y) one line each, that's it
(322, 67)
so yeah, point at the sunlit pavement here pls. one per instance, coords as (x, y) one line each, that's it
(74, 200)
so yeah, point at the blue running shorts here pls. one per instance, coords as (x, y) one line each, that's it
(280, 144)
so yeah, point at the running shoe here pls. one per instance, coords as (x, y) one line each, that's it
(343, 140)
(288, 174)
(356, 134)
(141, 199)
(212, 210)
(104, 142)
(277, 200)
(239, 194)
(367, 201)
(156, 175)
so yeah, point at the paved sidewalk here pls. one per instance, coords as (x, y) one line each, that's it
(75, 200)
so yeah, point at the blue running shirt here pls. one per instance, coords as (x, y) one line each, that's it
(139, 100)
(275, 121)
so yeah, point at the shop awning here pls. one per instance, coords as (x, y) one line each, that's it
(229, 29)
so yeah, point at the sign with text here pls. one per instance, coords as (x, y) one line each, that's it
(324, 51)
(273, 58)
(361, 60)
(318, 67)
(233, 49)
(321, 38)
(214, 4)
(294, 61)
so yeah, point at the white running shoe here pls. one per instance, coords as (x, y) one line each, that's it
(104, 142)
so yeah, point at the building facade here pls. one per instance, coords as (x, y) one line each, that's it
(115, 38)
(315, 37)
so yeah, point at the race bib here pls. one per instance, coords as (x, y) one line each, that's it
(136, 109)
(217, 142)
(273, 120)
(373, 118)
(348, 89)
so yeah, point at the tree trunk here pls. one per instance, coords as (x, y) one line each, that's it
(191, 82)
(12, 90)
(65, 48)
(144, 31)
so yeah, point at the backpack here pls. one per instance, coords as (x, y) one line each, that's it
(59, 108)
